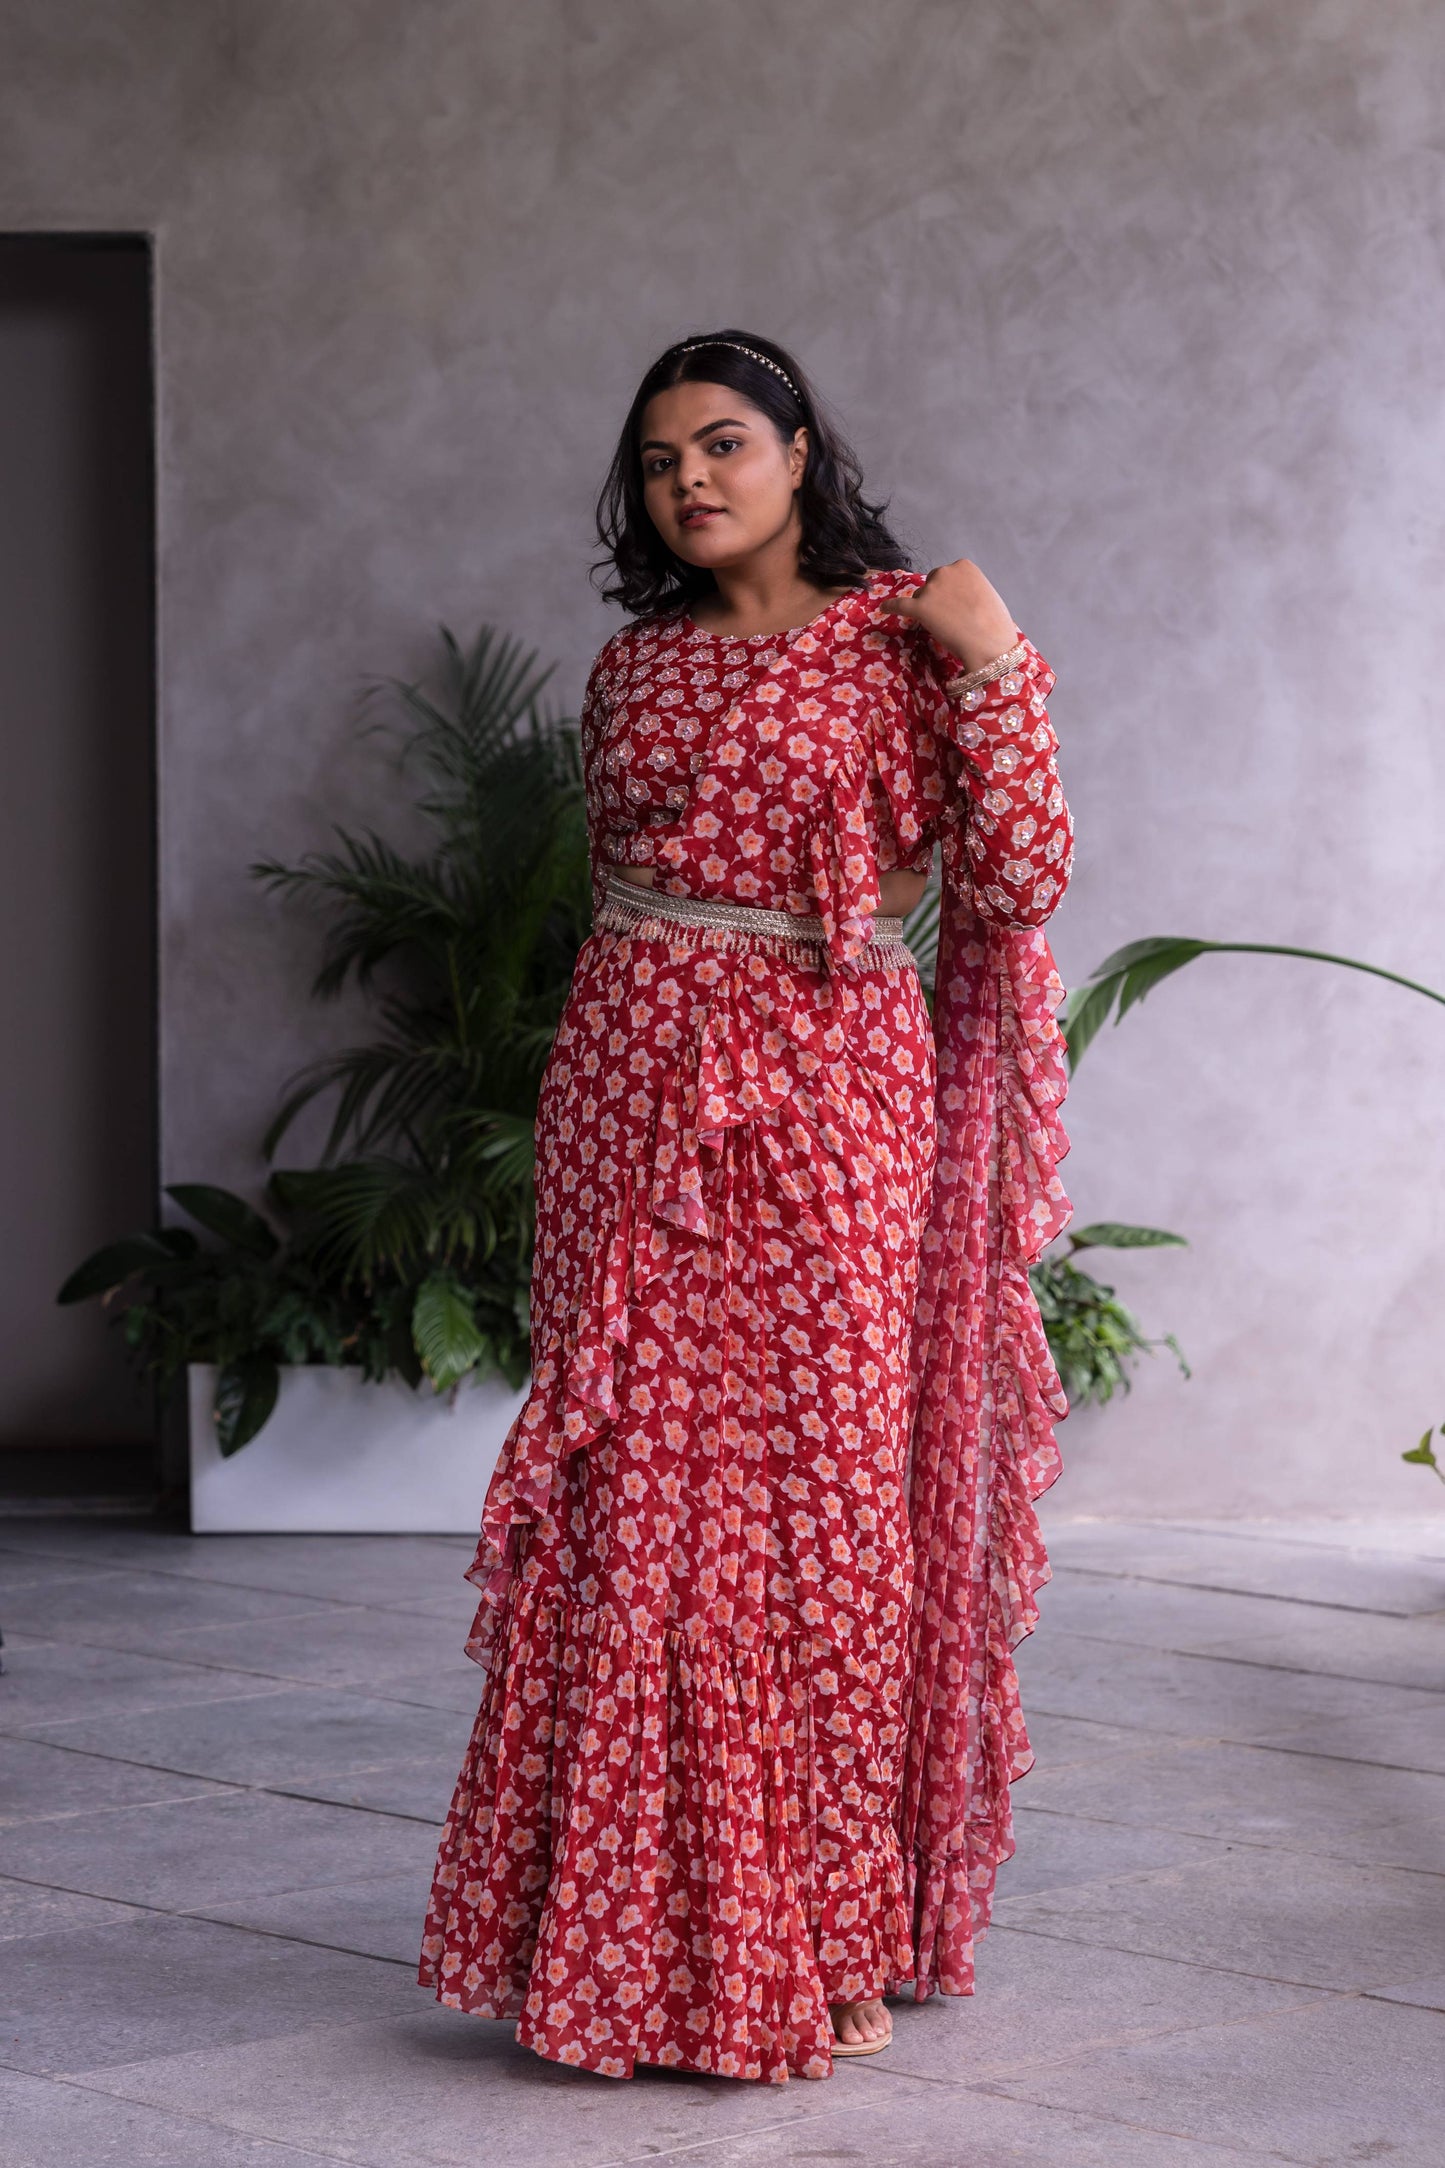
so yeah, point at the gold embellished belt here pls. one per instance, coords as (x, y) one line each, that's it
(626, 905)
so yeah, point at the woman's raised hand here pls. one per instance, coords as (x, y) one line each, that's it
(963, 610)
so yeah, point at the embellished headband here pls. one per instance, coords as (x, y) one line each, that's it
(700, 346)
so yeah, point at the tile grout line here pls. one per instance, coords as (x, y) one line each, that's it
(9, 1822)
(994, 2088)
(1250, 1663)
(77, 2082)
(97, 1570)
(1182, 1739)
(20, 1637)
(1189, 1964)
(1275, 1532)
(282, 1681)
(983, 2088)
(238, 1787)
(1238, 1843)
(1314, 1997)
(1253, 1529)
(238, 1625)
(214, 1919)
(1230, 2149)
(1249, 1595)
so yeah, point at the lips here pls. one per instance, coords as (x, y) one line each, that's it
(698, 515)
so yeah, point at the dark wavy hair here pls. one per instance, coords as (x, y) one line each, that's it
(844, 536)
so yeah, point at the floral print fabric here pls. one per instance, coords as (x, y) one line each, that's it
(752, 1564)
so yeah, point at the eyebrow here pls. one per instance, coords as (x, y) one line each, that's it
(659, 444)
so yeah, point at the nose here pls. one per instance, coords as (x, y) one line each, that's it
(690, 472)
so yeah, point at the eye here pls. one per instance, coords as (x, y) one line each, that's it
(659, 465)
(725, 444)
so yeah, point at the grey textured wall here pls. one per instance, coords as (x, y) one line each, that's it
(1137, 302)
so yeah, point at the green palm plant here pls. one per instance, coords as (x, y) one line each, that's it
(408, 1248)
(426, 1171)
(1124, 978)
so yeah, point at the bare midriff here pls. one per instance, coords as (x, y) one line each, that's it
(899, 893)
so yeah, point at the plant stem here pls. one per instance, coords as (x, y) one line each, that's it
(1320, 956)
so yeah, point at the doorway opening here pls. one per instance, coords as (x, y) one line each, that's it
(79, 1148)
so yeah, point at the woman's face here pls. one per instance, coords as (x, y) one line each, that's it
(718, 481)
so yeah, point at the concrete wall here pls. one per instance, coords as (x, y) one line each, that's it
(1138, 303)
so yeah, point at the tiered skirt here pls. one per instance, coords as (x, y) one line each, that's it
(674, 1839)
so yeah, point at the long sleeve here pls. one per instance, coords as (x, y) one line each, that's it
(1016, 835)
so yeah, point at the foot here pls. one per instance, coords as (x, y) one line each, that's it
(857, 2022)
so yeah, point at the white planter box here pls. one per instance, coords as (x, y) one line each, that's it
(342, 1457)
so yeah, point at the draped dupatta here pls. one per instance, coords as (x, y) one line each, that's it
(985, 1395)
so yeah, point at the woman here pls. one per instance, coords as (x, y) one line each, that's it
(743, 1760)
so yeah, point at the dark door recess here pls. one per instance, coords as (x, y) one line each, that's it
(78, 1149)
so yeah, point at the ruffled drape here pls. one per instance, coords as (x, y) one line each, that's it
(747, 1056)
(983, 1448)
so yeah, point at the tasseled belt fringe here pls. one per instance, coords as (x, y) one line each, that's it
(627, 907)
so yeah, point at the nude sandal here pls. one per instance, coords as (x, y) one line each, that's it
(842, 2049)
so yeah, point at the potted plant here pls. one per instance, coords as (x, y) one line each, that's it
(395, 1271)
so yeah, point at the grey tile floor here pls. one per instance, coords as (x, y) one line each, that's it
(223, 1762)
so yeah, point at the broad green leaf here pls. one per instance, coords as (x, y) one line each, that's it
(1118, 1235)
(246, 1393)
(179, 1241)
(1153, 947)
(1085, 1014)
(222, 1213)
(112, 1266)
(444, 1328)
(1144, 974)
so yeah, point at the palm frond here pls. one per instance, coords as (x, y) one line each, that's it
(1135, 970)
(444, 1327)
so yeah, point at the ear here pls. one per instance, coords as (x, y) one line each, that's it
(798, 455)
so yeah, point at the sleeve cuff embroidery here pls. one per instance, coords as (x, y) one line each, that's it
(970, 680)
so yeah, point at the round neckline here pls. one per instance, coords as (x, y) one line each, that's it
(694, 631)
